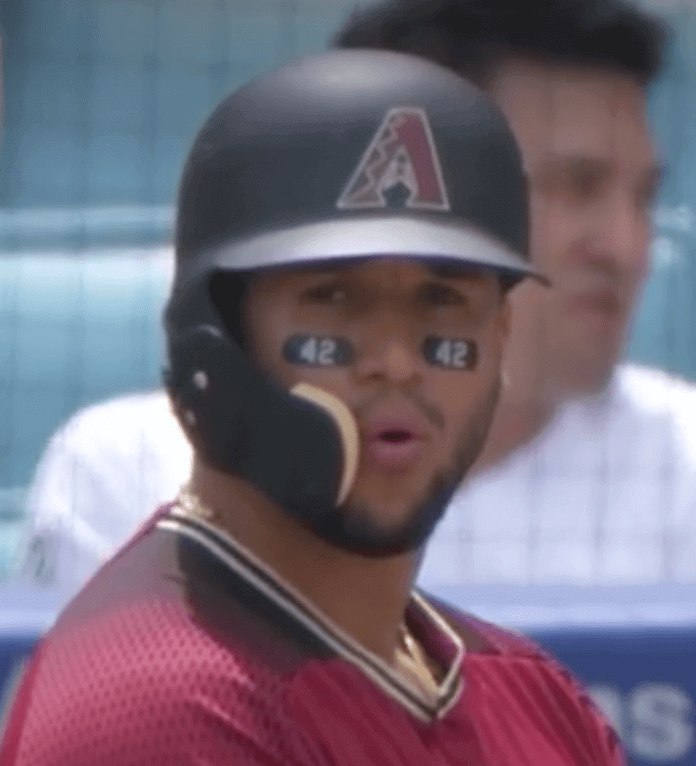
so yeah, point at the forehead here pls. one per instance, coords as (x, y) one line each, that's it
(575, 110)
(378, 272)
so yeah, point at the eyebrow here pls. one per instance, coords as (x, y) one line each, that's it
(323, 268)
(461, 271)
(553, 162)
(441, 268)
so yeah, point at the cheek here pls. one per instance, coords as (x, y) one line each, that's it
(642, 270)
(271, 326)
(560, 229)
(496, 339)
(335, 380)
(267, 335)
(528, 303)
(540, 219)
(459, 395)
(553, 229)
(299, 356)
(464, 405)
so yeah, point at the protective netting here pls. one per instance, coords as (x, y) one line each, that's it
(103, 98)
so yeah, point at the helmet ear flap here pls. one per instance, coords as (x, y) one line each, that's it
(226, 291)
(289, 446)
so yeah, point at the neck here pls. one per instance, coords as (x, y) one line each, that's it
(366, 597)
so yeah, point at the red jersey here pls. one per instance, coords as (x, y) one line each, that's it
(185, 650)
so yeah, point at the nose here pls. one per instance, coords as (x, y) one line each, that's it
(392, 357)
(623, 236)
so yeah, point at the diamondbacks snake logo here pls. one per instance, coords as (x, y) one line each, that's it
(400, 168)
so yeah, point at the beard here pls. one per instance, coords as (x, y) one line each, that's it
(355, 527)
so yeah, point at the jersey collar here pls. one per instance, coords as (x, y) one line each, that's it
(441, 643)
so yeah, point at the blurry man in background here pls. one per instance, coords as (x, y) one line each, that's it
(589, 464)
(100, 477)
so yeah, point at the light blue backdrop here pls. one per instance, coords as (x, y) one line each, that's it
(102, 100)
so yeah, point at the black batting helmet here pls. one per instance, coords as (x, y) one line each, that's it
(342, 155)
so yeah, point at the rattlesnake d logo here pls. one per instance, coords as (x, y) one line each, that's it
(400, 167)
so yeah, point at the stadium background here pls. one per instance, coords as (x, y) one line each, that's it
(102, 99)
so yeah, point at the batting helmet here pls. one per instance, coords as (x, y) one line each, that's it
(342, 155)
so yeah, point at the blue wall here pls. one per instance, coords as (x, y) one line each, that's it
(665, 333)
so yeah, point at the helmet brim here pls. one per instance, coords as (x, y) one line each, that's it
(352, 238)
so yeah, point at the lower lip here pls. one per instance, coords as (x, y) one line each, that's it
(393, 456)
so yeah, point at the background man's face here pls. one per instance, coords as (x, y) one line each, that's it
(590, 161)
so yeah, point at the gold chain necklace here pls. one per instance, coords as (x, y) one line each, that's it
(413, 662)
(409, 655)
(192, 506)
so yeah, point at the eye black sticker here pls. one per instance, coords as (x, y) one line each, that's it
(318, 351)
(450, 353)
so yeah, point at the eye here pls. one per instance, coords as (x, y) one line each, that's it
(585, 184)
(578, 180)
(438, 294)
(331, 294)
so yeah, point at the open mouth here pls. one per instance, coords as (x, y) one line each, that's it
(396, 437)
(393, 449)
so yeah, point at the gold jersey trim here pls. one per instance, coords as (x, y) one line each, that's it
(239, 559)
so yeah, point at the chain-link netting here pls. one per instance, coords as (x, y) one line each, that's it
(103, 98)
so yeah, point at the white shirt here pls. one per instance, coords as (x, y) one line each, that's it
(605, 495)
(103, 474)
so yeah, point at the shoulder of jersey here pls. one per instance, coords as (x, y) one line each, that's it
(486, 638)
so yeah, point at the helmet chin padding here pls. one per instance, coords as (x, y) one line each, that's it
(300, 447)
(346, 427)
(227, 292)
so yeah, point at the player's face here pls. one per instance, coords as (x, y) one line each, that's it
(587, 150)
(423, 407)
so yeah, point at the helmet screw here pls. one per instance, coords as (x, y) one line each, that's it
(190, 418)
(200, 380)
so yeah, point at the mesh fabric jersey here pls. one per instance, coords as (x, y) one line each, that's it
(184, 649)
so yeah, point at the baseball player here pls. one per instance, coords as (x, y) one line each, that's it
(349, 228)
(617, 444)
